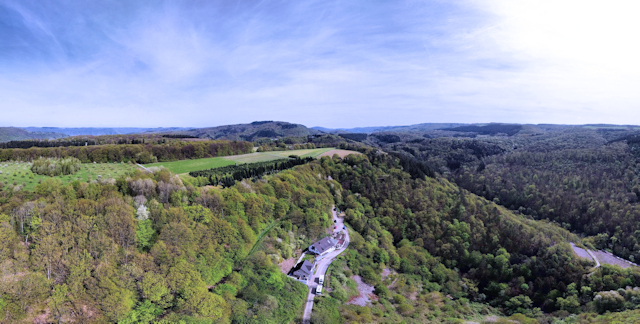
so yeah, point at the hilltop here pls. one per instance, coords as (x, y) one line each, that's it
(253, 131)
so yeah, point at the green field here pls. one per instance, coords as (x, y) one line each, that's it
(20, 173)
(186, 166)
(275, 155)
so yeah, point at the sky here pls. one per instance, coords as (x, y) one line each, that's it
(337, 64)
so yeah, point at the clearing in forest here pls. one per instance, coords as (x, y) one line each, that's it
(275, 155)
(17, 173)
(186, 166)
(603, 257)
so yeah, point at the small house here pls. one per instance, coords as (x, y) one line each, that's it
(305, 271)
(323, 246)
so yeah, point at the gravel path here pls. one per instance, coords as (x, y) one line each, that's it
(608, 258)
(602, 257)
(581, 252)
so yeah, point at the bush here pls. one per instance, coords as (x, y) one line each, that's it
(55, 167)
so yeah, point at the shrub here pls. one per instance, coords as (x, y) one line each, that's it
(55, 167)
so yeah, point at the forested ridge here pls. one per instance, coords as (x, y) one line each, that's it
(585, 180)
(150, 248)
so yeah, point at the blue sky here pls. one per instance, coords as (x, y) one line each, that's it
(319, 63)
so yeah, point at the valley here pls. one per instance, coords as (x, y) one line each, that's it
(445, 226)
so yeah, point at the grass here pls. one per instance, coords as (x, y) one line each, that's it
(186, 166)
(20, 173)
(254, 157)
(275, 155)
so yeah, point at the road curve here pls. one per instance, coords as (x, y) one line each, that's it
(594, 258)
(321, 267)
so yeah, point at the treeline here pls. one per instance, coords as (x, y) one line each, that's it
(228, 175)
(491, 129)
(137, 153)
(355, 136)
(179, 136)
(46, 143)
(87, 141)
(283, 146)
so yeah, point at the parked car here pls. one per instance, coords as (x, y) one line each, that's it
(335, 220)
(335, 227)
(344, 227)
(319, 290)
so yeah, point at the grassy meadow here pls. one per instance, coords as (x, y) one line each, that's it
(186, 166)
(19, 173)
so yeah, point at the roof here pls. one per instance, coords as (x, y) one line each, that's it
(305, 269)
(324, 244)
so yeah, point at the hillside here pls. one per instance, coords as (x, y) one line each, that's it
(376, 129)
(97, 131)
(253, 131)
(16, 134)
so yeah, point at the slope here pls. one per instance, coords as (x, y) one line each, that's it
(253, 131)
(16, 134)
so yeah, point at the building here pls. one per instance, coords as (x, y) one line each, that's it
(305, 271)
(323, 246)
(340, 237)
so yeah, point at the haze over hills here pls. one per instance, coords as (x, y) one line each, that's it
(18, 134)
(96, 131)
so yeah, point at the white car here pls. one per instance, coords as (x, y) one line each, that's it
(319, 290)
(321, 280)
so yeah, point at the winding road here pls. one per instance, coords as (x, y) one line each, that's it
(321, 268)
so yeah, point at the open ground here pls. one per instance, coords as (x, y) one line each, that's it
(18, 173)
(186, 166)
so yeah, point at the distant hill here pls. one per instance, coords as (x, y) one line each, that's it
(253, 131)
(490, 129)
(378, 129)
(17, 134)
(97, 131)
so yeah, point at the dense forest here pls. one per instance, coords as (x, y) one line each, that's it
(228, 175)
(138, 153)
(582, 178)
(586, 180)
(445, 229)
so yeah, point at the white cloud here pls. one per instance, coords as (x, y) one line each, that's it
(324, 63)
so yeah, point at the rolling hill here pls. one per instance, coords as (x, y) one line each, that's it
(253, 131)
(17, 134)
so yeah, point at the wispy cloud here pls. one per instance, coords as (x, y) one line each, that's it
(331, 63)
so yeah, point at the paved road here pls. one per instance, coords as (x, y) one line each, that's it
(321, 269)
